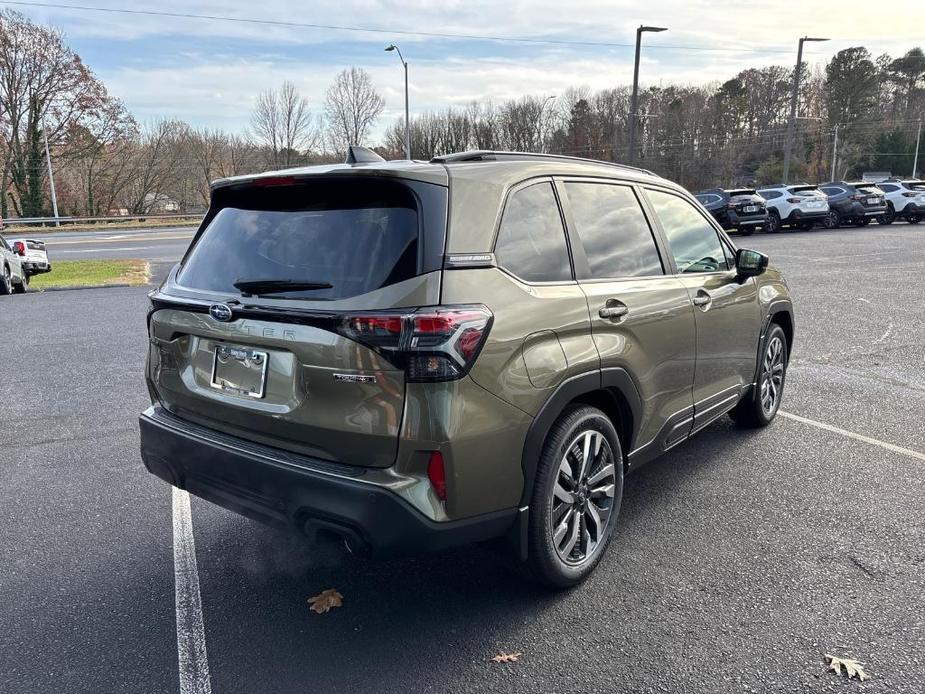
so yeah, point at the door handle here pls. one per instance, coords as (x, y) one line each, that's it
(702, 299)
(613, 309)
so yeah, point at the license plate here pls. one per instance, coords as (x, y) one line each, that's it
(750, 208)
(814, 203)
(873, 201)
(239, 371)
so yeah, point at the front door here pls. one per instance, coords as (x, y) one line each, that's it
(642, 320)
(725, 306)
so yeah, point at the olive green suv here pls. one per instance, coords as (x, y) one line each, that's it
(413, 355)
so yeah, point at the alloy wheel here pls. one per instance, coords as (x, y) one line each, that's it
(7, 281)
(583, 497)
(832, 220)
(772, 380)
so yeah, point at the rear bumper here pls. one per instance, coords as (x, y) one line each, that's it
(299, 492)
(36, 268)
(805, 216)
(743, 220)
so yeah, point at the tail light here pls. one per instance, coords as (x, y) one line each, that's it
(858, 196)
(436, 473)
(431, 344)
(910, 195)
(794, 201)
(19, 248)
(731, 205)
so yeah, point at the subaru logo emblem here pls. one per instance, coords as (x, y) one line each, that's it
(220, 312)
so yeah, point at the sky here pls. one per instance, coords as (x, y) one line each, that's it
(209, 72)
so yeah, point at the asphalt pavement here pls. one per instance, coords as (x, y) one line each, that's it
(157, 244)
(741, 557)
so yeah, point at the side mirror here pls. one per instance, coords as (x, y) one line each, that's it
(750, 263)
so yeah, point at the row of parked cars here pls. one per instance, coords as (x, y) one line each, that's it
(830, 205)
(20, 259)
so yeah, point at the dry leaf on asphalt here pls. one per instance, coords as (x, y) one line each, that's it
(325, 600)
(852, 667)
(506, 658)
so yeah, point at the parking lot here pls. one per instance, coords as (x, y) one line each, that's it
(741, 558)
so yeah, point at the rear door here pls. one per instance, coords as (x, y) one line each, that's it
(726, 308)
(641, 318)
(279, 367)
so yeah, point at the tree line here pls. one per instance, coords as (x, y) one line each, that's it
(727, 133)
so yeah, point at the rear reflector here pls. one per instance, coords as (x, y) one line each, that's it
(436, 473)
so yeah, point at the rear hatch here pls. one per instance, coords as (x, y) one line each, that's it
(746, 202)
(276, 326)
(809, 198)
(870, 196)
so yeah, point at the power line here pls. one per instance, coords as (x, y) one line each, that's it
(382, 30)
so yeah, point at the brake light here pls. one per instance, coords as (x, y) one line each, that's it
(858, 196)
(431, 344)
(731, 205)
(19, 248)
(910, 195)
(274, 181)
(794, 201)
(436, 473)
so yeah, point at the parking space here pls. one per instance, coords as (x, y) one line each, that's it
(740, 559)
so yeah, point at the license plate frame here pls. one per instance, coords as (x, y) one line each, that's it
(749, 209)
(239, 370)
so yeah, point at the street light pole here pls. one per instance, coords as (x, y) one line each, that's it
(634, 102)
(794, 96)
(393, 47)
(51, 175)
(834, 154)
(915, 161)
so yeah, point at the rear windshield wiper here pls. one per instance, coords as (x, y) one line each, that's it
(258, 287)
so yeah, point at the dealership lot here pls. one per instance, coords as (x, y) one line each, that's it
(741, 558)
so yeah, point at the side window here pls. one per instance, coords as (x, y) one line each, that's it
(531, 241)
(888, 187)
(831, 190)
(694, 243)
(613, 230)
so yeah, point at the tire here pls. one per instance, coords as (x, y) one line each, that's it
(862, 222)
(887, 217)
(579, 478)
(23, 285)
(914, 218)
(773, 223)
(832, 220)
(6, 281)
(759, 408)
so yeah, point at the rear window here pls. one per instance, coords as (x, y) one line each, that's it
(741, 191)
(355, 235)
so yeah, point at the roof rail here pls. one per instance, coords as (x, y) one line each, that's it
(492, 155)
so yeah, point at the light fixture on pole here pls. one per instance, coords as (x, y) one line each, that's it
(635, 100)
(393, 47)
(794, 96)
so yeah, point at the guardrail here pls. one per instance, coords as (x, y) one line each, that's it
(55, 221)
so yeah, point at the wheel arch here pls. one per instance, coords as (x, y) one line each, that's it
(612, 391)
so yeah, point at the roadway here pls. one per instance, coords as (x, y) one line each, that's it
(165, 244)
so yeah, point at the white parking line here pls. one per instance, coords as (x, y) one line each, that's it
(858, 437)
(191, 632)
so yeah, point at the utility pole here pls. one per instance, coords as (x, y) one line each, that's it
(834, 154)
(794, 97)
(634, 103)
(51, 176)
(915, 161)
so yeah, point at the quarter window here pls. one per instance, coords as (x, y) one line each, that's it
(694, 243)
(888, 187)
(531, 241)
(770, 194)
(613, 230)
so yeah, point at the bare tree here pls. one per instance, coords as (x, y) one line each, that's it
(351, 106)
(283, 122)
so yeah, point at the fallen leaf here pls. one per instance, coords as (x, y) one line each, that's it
(325, 600)
(852, 667)
(506, 657)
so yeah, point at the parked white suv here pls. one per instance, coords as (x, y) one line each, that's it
(904, 200)
(32, 254)
(12, 276)
(798, 206)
